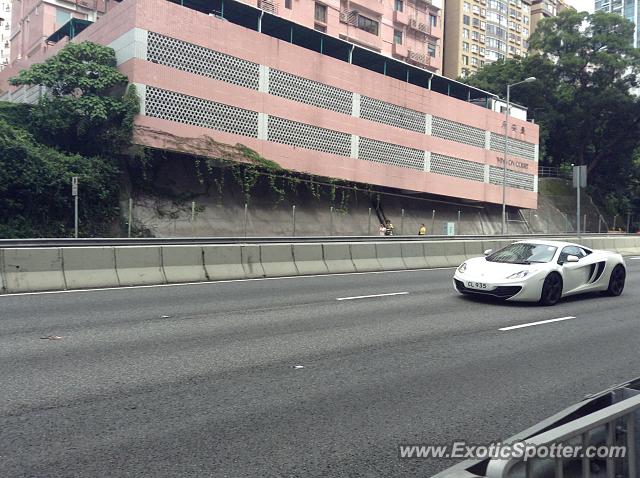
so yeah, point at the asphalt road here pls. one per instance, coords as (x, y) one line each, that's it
(201, 380)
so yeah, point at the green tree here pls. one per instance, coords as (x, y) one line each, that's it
(88, 108)
(582, 99)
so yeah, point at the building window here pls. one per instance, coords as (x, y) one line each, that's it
(465, 33)
(465, 46)
(398, 5)
(433, 20)
(466, 19)
(320, 28)
(287, 4)
(367, 25)
(397, 37)
(321, 13)
(466, 7)
(431, 48)
(465, 60)
(62, 17)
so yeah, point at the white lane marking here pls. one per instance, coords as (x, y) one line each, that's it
(634, 258)
(531, 324)
(370, 296)
(14, 294)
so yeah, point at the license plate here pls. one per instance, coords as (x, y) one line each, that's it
(476, 285)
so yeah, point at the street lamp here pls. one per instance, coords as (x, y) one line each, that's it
(506, 150)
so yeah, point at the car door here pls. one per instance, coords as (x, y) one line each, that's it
(575, 274)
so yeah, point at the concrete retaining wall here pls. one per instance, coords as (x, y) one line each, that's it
(42, 269)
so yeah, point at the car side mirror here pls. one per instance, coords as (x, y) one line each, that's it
(488, 251)
(571, 258)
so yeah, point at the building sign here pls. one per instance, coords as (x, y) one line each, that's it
(512, 163)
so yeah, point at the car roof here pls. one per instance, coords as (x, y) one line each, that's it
(558, 244)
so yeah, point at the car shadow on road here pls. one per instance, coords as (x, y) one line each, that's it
(504, 303)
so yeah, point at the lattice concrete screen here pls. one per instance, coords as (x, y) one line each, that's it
(180, 108)
(390, 154)
(518, 148)
(309, 92)
(459, 168)
(514, 178)
(453, 131)
(309, 137)
(202, 61)
(393, 115)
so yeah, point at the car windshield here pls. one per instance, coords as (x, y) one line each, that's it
(523, 253)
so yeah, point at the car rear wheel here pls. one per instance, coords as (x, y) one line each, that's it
(551, 289)
(616, 281)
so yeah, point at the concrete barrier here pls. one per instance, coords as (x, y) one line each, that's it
(33, 270)
(277, 260)
(308, 259)
(413, 255)
(223, 262)
(390, 256)
(251, 261)
(183, 264)
(363, 255)
(626, 245)
(89, 267)
(139, 265)
(434, 254)
(337, 257)
(454, 250)
(473, 249)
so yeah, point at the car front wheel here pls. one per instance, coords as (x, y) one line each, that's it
(551, 289)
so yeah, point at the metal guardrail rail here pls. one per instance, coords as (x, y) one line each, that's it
(153, 241)
(582, 429)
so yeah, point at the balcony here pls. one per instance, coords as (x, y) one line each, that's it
(400, 50)
(420, 26)
(418, 58)
(400, 17)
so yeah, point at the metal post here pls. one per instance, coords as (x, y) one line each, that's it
(628, 222)
(584, 223)
(369, 226)
(504, 165)
(193, 217)
(615, 218)
(293, 214)
(599, 223)
(578, 208)
(331, 221)
(458, 225)
(566, 223)
(246, 207)
(76, 216)
(74, 193)
(130, 217)
(433, 220)
(401, 222)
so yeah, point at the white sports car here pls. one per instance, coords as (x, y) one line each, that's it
(541, 271)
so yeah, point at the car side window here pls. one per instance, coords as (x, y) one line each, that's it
(570, 251)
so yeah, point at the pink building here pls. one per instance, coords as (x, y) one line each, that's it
(309, 101)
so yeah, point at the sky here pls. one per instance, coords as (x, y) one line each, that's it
(581, 5)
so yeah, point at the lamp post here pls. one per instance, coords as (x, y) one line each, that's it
(506, 151)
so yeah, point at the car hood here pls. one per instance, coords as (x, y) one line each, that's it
(480, 268)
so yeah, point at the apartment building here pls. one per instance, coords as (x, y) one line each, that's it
(5, 32)
(408, 30)
(541, 9)
(38, 22)
(478, 32)
(630, 9)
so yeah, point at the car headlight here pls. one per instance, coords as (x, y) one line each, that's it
(463, 267)
(518, 275)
